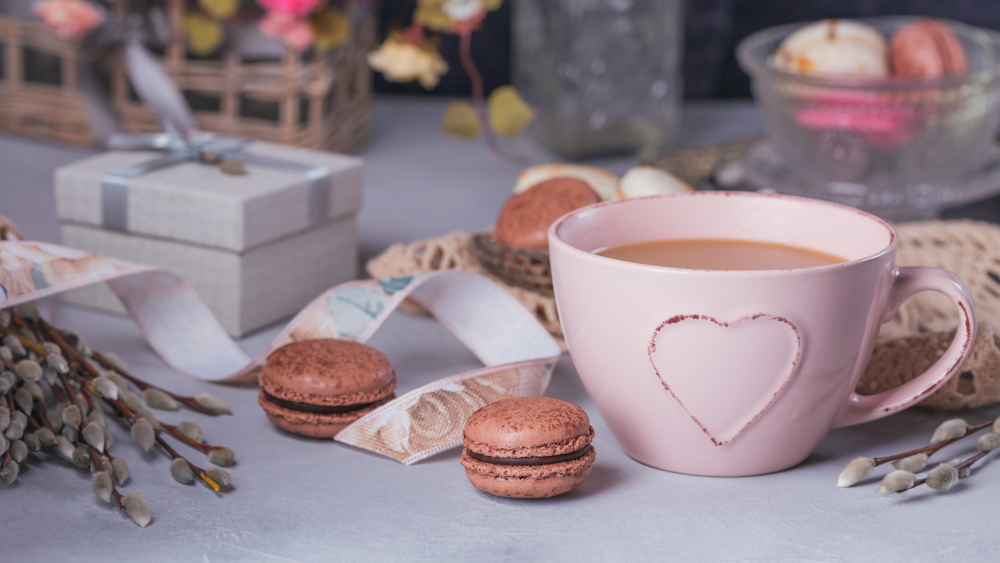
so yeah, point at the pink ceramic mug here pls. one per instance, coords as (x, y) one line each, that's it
(736, 372)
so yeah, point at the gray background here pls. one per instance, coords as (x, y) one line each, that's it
(296, 499)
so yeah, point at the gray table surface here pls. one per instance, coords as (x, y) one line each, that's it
(296, 499)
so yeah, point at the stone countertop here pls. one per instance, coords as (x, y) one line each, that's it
(296, 499)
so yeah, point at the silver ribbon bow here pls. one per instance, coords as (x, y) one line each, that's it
(182, 142)
(114, 183)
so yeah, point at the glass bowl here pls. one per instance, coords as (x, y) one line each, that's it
(903, 148)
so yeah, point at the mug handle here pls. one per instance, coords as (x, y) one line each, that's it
(906, 282)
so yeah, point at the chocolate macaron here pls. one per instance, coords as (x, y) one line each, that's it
(528, 447)
(525, 219)
(317, 387)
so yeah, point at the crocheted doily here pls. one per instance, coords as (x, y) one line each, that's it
(925, 323)
(455, 251)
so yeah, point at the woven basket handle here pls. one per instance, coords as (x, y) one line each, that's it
(908, 281)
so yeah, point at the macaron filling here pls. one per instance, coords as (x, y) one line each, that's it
(316, 409)
(543, 460)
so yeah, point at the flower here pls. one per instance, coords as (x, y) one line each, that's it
(295, 32)
(69, 19)
(289, 7)
(401, 61)
(459, 10)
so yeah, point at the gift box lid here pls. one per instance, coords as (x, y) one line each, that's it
(198, 203)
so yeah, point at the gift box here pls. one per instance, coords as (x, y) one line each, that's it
(256, 246)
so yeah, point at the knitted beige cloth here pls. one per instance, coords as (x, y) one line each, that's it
(907, 345)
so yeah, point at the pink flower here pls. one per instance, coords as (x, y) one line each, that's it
(294, 7)
(70, 19)
(295, 32)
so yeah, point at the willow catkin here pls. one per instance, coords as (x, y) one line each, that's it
(136, 507)
(212, 403)
(143, 434)
(942, 477)
(221, 456)
(949, 430)
(896, 481)
(120, 470)
(10, 472)
(914, 463)
(29, 370)
(157, 399)
(191, 431)
(221, 477)
(101, 484)
(93, 434)
(180, 470)
(106, 388)
(18, 450)
(24, 400)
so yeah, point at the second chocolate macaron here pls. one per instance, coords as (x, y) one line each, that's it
(316, 388)
(528, 447)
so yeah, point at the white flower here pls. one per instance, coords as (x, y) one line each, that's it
(401, 61)
(461, 10)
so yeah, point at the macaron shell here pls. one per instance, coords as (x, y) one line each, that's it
(927, 49)
(528, 481)
(525, 219)
(604, 183)
(834, 47)
(310, 424)
(524, 423)
(642, 181)
(328, 372)
(555, 448)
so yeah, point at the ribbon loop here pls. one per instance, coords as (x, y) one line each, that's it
(518, 352)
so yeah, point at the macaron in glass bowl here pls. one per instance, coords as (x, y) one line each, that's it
(901, 147)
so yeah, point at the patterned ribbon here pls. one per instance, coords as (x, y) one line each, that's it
(115, 183)
(518, 353)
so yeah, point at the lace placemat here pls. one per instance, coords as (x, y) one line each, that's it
(907, 345)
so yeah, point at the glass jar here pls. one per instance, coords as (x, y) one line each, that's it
(602, 75)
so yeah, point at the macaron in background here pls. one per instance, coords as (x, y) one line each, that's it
(834, 47)
(927, 48)
(528, 447)
(317, 388)
(604, 183)
(642, 181)
(525, 219)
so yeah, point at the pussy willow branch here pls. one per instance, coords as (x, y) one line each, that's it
(72, 354)
(932, 449)
(175, 432)
(96, 459)
(478, 99)
(174, 455)
(959, 467)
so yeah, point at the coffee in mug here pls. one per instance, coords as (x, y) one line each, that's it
(720, 254)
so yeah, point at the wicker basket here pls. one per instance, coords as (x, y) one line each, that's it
(524, 267)
(321, 103)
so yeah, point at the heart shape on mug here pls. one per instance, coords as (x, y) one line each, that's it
(725, 374)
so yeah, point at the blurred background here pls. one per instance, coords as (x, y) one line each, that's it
(712, 28)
